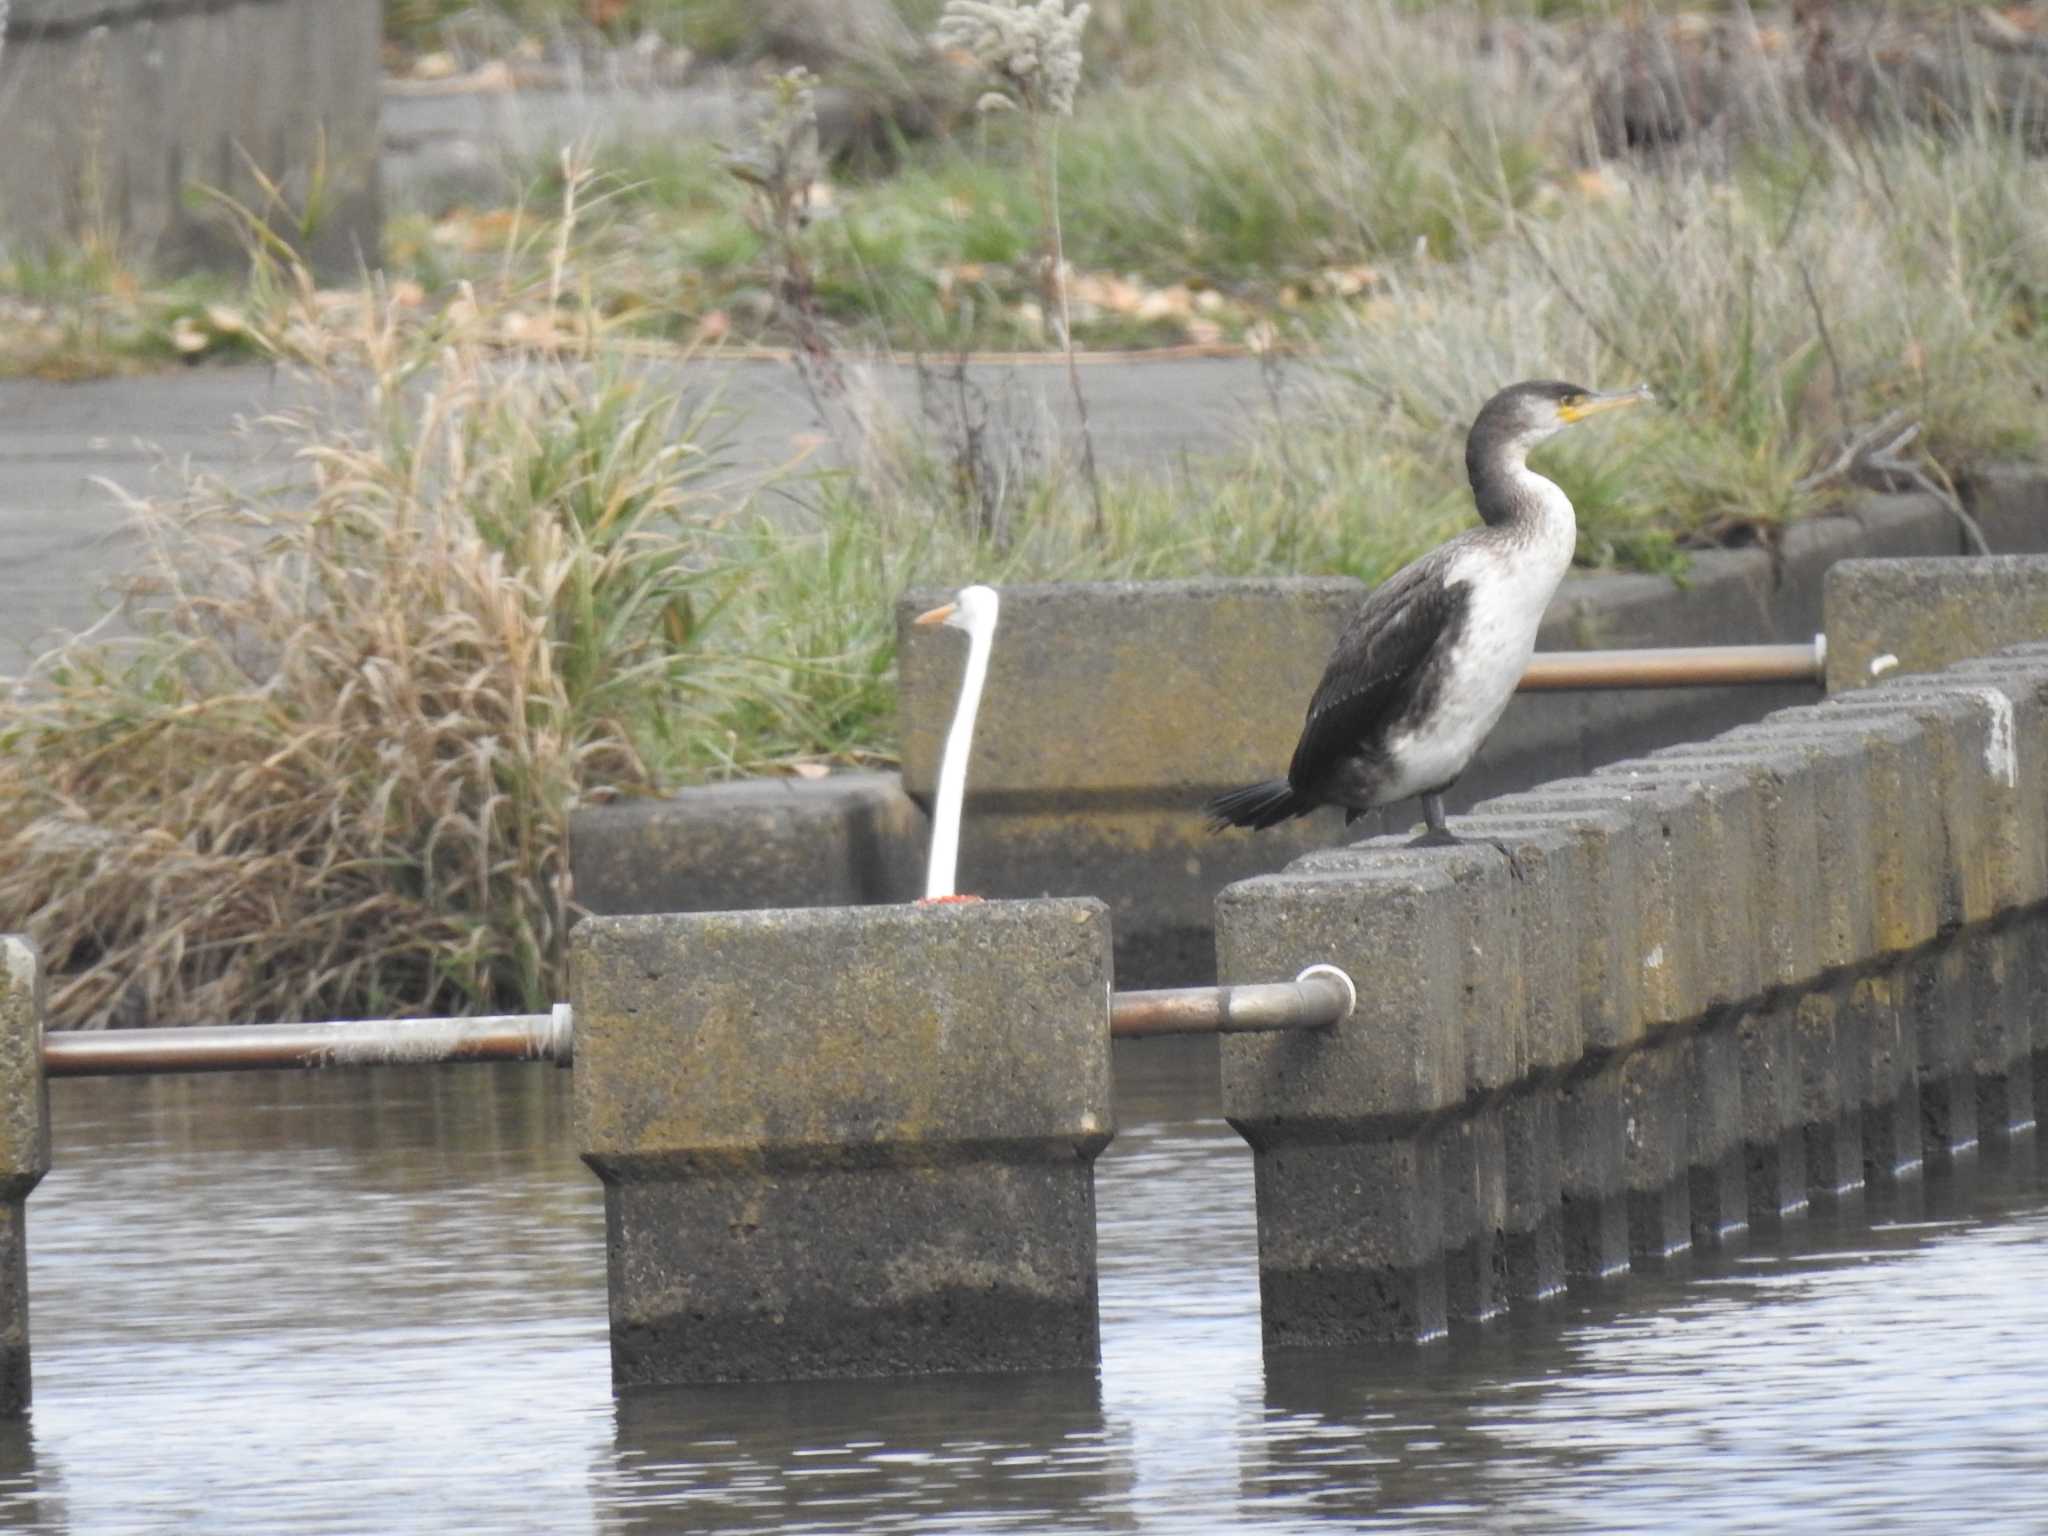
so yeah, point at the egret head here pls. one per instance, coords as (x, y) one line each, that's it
(1523, 415)
(972, 609)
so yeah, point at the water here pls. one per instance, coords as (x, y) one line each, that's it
(375, 1303)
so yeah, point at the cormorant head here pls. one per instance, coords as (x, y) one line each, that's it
(1523, 415)
(972, 609)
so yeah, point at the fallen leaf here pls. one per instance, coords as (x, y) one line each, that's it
(810, 770)
(433, 66)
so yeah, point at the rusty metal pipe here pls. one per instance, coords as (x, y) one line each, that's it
(1686, 666)
(352, 1043)
(1318, 998)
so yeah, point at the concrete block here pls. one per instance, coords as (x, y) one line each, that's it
(1938, 986)
(1532, 1152)
(1472, 1151)
(1351, 1241)
(1399, 1060)
(851, 839)
(1592, 1133)
(1671, 830)
(1554, 902)
(1590, 925)
(1784, 851)
(846, 1141)
(1831, 1100)
(116, 114)
(1172, 689)
(1655, 1087)
(1823, 784)
(24, 1153)
(2002, 974)
(1873, 1014)
(1719, 892)
(1773, 1113)
(1112, 712)
(1966, 794)
(1925, 614)
(2009, 502)
(1343, 1122)
(1897, 759)
(1719, 1179)
(1484, 946)
(2021, 682)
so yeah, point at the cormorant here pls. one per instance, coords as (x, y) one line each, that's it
(1431, 658)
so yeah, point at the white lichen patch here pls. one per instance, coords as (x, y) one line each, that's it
(2001, 748)
(1654, 960)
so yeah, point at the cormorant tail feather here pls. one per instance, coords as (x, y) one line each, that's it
(1258, 806)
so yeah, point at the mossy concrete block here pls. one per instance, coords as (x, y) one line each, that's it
(1784, 850)
(1773, 1112)
(1472, 1149)
(1594, 919)
(1593, 1136)
(1830, 1109)
(2022, 678)
(1484, 946)
(1554, 900)
(850, 839)
(1113, 711)
(1400, 1059)
(1351, 1240)
(1671, 831)
(1833, 773)
(1343, 1122)
(1896, 758)
(1888, 617)
(1938, 986)
(114, 115)
(1968, 795)
(1655, 1088)
(1874, 1007)
(1166, 691)
(1731, 839)
(1532, 1154)
(1712, 1057)
(846, 1141)
(2002, 972)
(24, 1153)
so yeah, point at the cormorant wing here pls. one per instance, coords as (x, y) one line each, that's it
(1378, 663)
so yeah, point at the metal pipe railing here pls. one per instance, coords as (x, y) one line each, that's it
(349, 1043)
(1321, 996)
(1685, 666)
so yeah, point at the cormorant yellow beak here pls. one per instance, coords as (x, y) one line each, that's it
(937, 615)
(1593, 405)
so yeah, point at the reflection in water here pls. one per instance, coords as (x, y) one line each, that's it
(375, 1302)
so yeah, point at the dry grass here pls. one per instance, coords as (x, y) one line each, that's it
(328, 770)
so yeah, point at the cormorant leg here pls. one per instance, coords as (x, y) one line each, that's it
(1439, 834)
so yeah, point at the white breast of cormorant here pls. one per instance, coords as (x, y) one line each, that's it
(1510, 573)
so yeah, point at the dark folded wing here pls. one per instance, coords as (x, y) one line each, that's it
(1380, 663)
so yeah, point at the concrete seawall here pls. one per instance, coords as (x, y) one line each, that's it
(1636, 1012)
(115, 111)
(1690, 993)
(1114, 709)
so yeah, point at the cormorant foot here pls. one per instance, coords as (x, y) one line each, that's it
(1436, 839)
(1447, 839)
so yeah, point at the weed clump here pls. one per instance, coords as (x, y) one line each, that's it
(325, 766)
